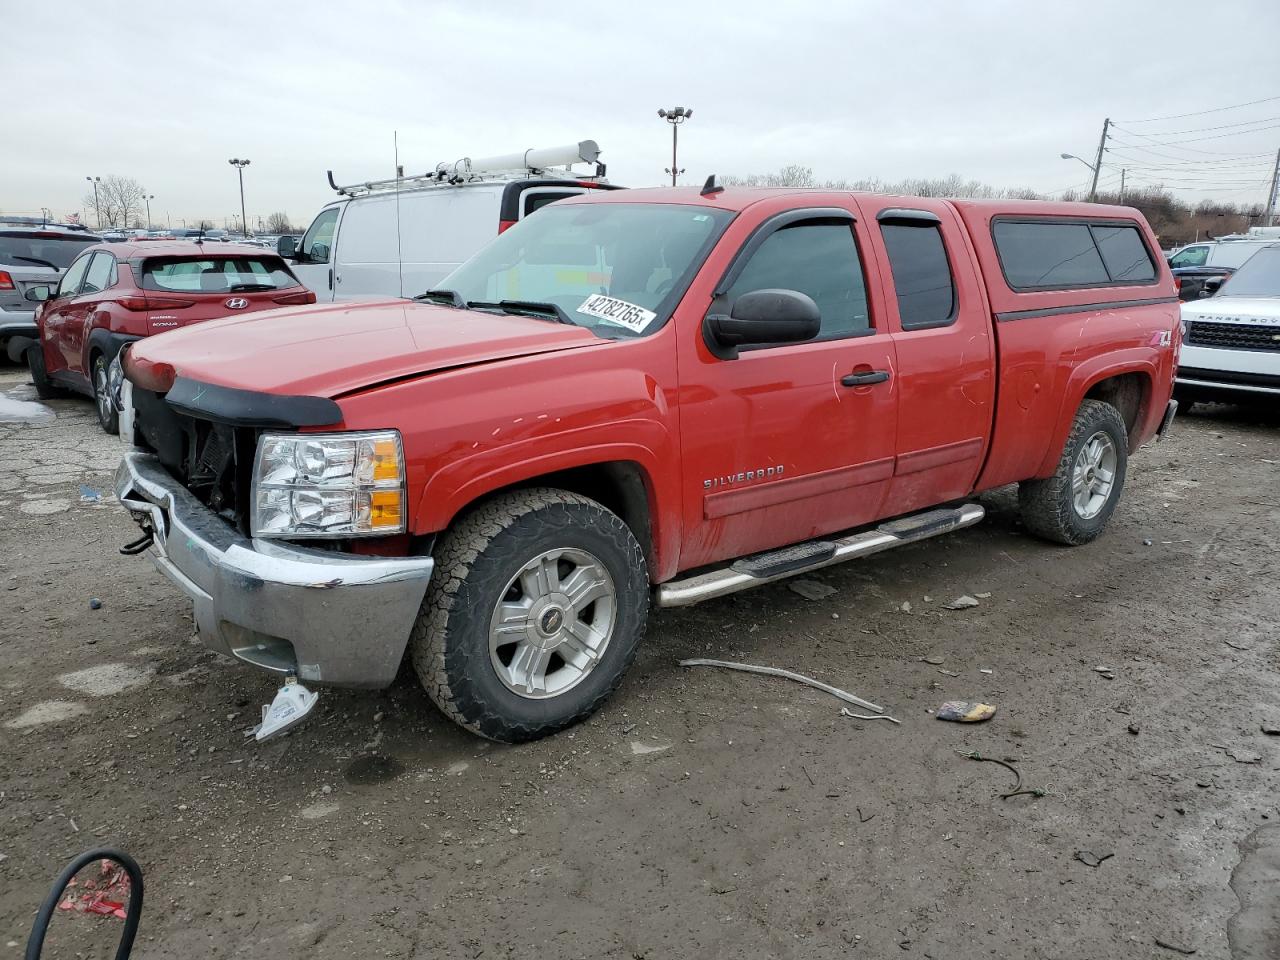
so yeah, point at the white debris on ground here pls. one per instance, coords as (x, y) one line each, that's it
(23, 411)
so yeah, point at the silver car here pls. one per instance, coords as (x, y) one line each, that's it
(32, 256)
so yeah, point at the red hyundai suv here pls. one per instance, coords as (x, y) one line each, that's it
(116, 293)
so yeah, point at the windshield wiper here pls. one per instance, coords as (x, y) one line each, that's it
(38, 262)
(449, 298)
(531, 308)
(250, 287)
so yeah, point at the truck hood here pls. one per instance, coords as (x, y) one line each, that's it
(335, 349)
(1239, 309)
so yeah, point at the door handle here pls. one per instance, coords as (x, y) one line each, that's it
(864, 379)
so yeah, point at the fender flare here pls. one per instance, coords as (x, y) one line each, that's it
(107, 342)
(444, 497)
(1083, 378)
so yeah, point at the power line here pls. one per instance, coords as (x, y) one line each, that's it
(1210, 153)
(1218, 136)
(1201, 113)
(1125, 152)
(1225, 126)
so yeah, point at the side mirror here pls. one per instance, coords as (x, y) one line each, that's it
(319, 253)
(1210, 286)
(287, 246)
(37, 294)
(760, 317)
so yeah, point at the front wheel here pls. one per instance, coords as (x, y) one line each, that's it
(107, 416)
(1074, 505)
(538, 601)
(45, 389)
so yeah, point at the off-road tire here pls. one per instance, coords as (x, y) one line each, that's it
(449, 645)
(1048, 507)
(110, 423)
(45, 389)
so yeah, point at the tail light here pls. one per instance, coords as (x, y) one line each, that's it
(505, 225)
(1177, 284)
(304, 296)
(6, 281)
(153, 303)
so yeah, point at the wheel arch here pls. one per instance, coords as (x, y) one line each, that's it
(621, 482)
(1126, 383)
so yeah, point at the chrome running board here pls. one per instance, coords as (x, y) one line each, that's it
(762, 568)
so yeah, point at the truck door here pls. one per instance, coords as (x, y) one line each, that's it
(790, 441)
(941, 325)
(313, 262)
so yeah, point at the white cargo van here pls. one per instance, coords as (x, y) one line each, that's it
(400, 237)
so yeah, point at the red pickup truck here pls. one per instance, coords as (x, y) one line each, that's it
(651, 396)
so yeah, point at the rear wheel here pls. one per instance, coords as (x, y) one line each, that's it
(533, 615)
(45, 389)
(1074, 505)
(107, 415)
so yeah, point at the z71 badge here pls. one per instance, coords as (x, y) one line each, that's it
(746, 476)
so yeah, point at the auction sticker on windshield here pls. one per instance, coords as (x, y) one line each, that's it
(618, 311)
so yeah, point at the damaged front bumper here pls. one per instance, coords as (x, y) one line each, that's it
(323, 616)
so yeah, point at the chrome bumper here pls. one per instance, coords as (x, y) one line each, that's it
(327, 617)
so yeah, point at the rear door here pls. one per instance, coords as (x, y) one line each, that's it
(941, 326)
(98, 279)
(60, 313)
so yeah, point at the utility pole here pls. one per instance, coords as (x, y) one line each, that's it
(1097, 164)
(148, 198)
(1271, 197)
(1123, 171)
(675, 116)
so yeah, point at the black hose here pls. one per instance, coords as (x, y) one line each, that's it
(35, 943)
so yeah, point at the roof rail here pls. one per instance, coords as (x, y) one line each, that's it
(502, 167)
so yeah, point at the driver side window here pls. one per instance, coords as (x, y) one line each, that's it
(71, 280)
(317, 245)
(1190, 257)
(819, 259)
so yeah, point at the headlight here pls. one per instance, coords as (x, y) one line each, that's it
(328, 485)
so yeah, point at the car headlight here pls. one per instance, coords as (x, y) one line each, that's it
(328, 485)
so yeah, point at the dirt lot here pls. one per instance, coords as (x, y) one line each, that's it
(701, 813)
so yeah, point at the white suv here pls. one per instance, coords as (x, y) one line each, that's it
(400, 237)
(1231, 344)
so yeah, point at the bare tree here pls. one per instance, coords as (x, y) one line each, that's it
(279, 223)
(119, 199)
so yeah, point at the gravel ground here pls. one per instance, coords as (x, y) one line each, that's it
(701, 813)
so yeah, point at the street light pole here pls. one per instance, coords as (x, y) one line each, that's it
(148, 197)
(97, 208)
(675, 116)
(240, 165)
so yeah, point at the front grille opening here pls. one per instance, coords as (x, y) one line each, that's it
(1234, 336)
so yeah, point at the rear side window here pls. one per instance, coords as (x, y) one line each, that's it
(818, 259)
(101, 273)
(921, 275)
(216, 274)
(1124, 254)
(1055, 255)
(34, 248)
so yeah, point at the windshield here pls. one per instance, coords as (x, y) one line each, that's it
(1259, 277)
(615, 268)
(220, 274)
(42, 249)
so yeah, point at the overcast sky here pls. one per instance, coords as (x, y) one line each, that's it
(166, 92)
